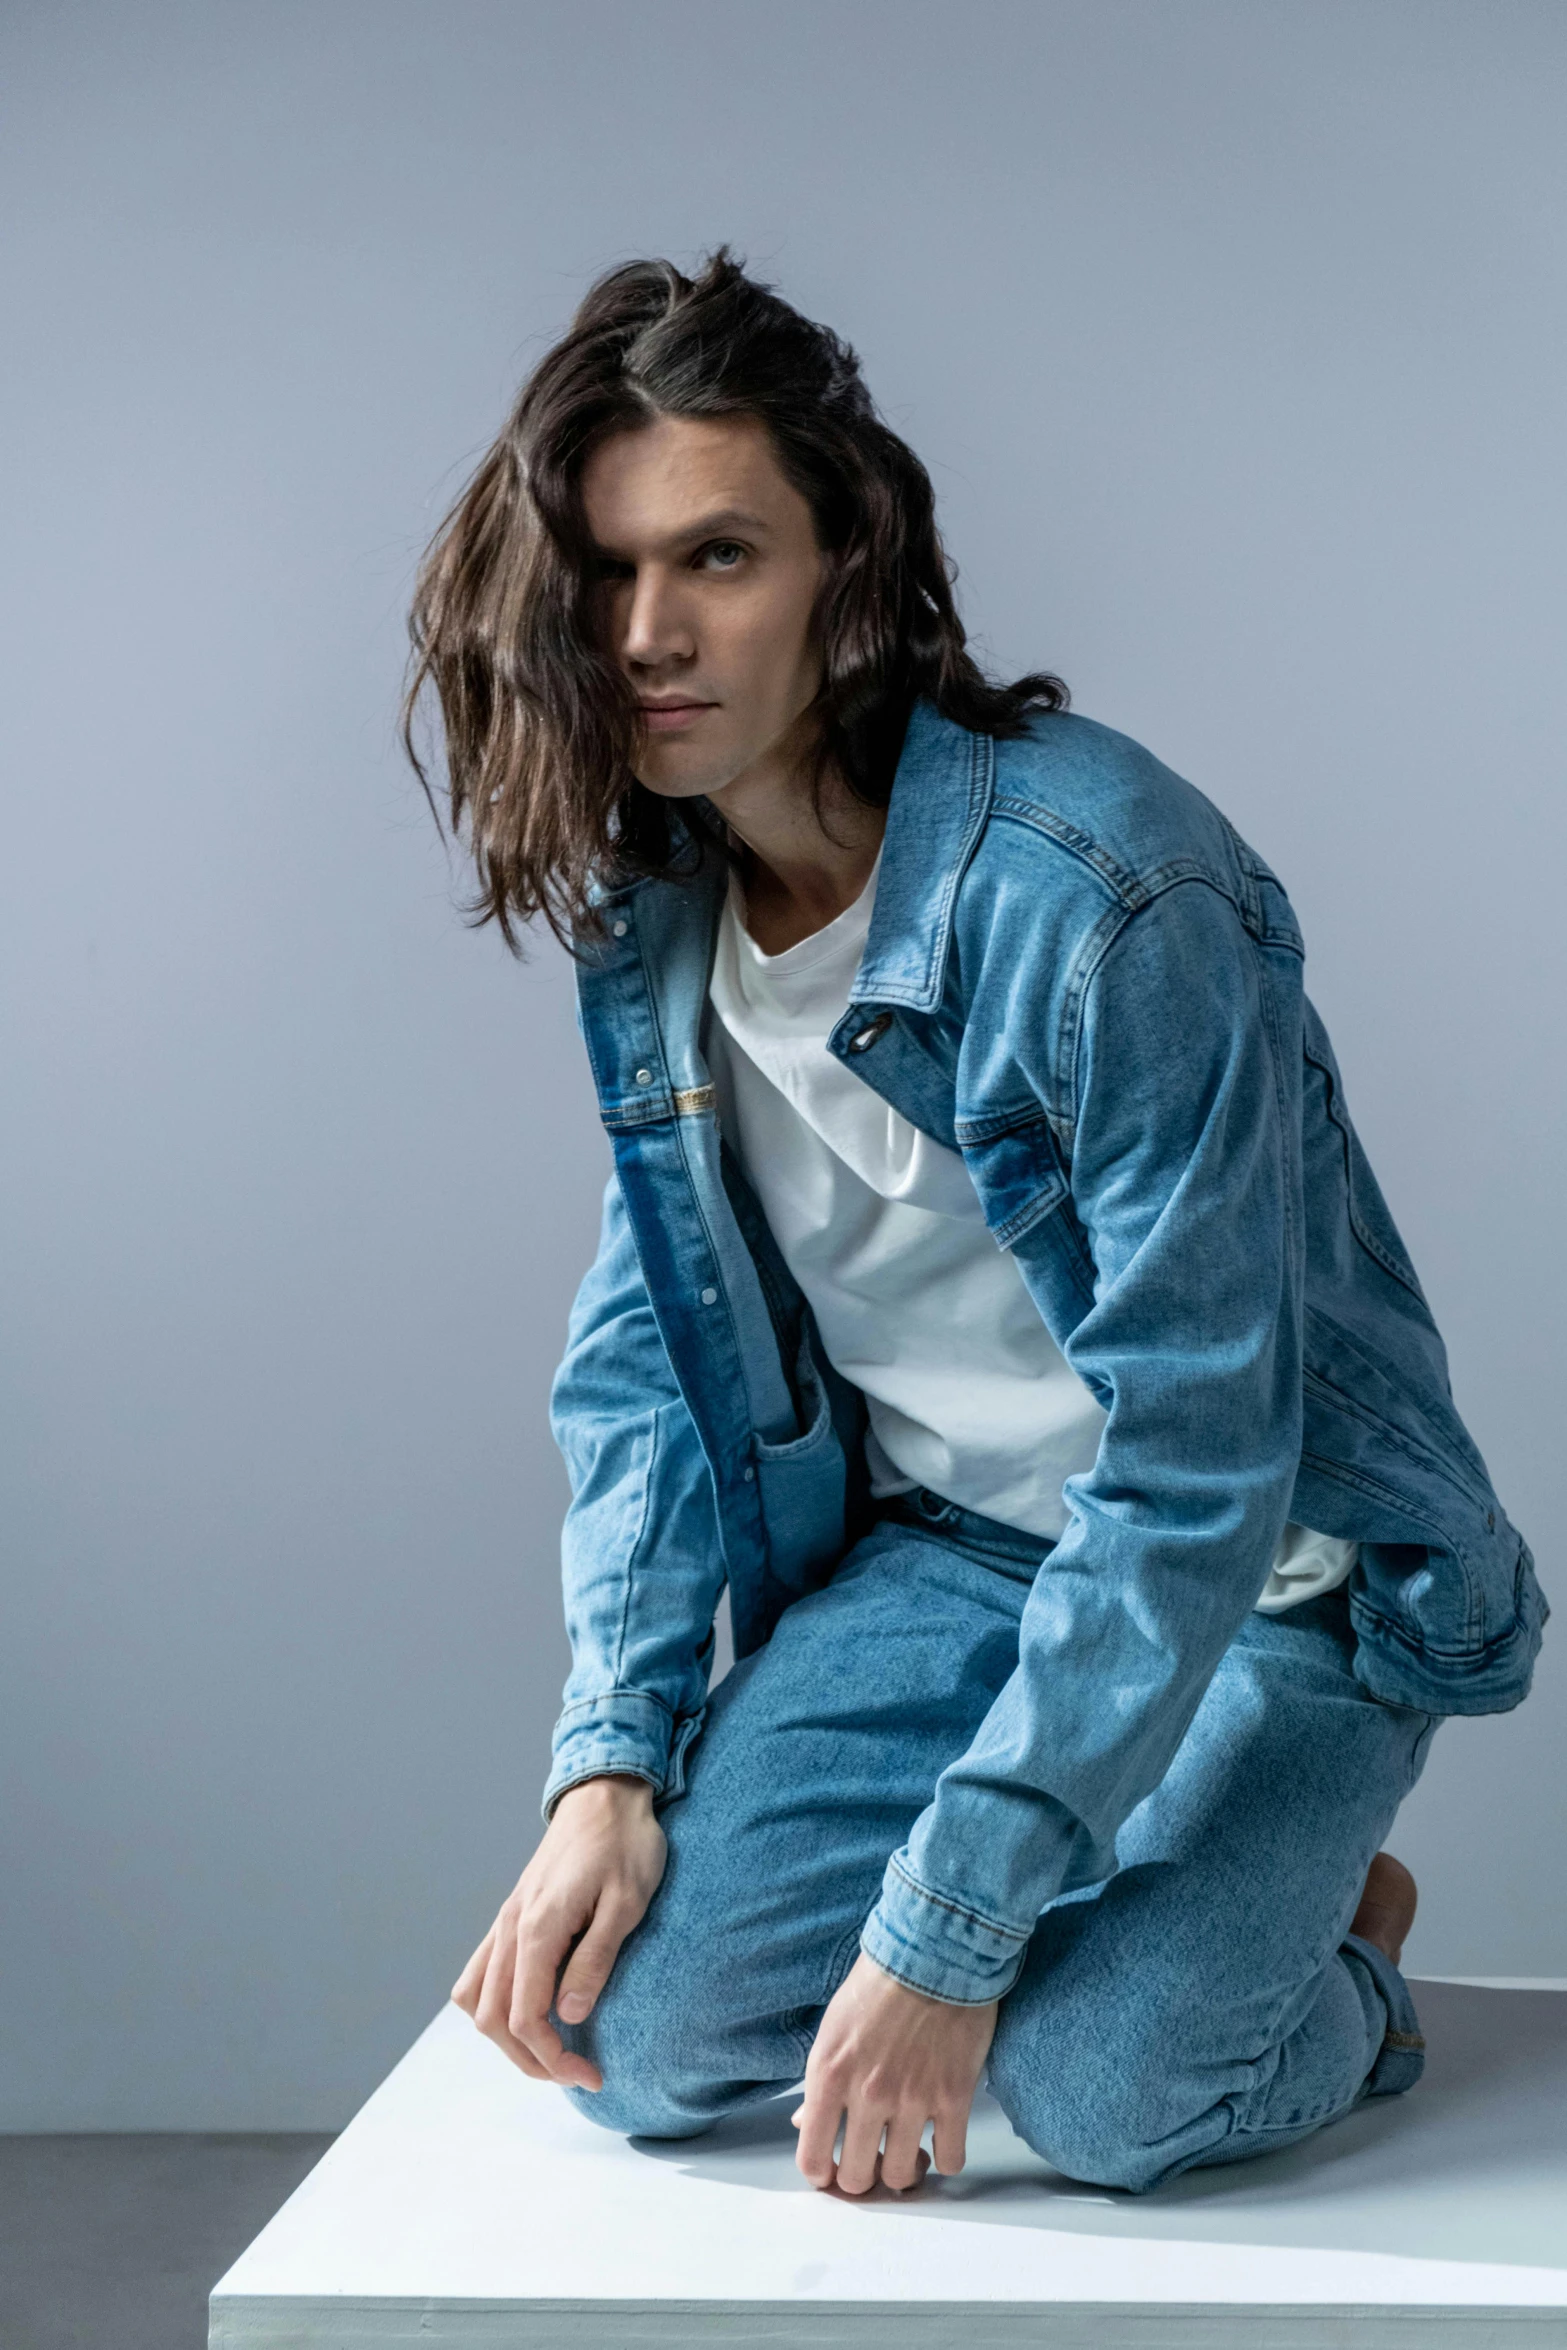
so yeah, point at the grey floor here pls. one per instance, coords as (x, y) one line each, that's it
(113, 2243)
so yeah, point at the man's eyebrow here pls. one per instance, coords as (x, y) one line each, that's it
(708, 526)
(727, 518)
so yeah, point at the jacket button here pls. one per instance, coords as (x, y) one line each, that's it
(710, 1297)
(619, 929)
(867, 1036)
(644, 1077)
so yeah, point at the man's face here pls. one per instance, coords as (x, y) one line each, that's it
(710, 572)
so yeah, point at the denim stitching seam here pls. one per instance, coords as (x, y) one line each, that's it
(957, 1909)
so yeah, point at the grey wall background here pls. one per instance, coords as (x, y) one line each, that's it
(1234, 335)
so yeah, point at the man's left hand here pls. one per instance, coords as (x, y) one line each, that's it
(888, 2059)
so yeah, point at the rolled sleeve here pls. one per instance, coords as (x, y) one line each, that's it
(623, 1732)
(938, 1945)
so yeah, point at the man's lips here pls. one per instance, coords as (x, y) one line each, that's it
(666, 717)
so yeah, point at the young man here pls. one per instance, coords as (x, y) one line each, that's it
(992, 1291)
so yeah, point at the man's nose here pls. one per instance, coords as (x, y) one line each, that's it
(658, 626)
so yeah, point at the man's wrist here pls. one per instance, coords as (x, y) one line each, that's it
(624, 1733)
(616, 1789)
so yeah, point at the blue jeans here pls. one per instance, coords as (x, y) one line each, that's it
(1204, 2004)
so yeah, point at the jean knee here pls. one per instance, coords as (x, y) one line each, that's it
(640, 2109)
(1096, 2149)
(659, 2082)
(1092, 2112)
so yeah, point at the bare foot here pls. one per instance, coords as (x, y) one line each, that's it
(1387, 1906)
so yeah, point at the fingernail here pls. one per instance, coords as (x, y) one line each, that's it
(572, 2008)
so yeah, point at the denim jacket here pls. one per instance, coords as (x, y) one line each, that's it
(1078, 975)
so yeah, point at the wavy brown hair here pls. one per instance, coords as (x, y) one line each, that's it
(539, 722)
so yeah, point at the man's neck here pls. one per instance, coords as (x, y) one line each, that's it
(806, 854)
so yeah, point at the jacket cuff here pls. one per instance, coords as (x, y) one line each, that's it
(937, 1946)
(623, 1731)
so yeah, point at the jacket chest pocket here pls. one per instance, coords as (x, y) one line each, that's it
(1018, 1175)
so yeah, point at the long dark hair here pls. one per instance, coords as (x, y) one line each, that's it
(540, 724)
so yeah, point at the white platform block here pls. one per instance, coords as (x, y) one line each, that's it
(467, 2206)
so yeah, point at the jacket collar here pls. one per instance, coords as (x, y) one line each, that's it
(940, 800)
(941, 796)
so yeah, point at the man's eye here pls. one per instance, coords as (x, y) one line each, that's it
(723, 554)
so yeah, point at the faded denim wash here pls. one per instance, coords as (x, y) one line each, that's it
(1203, 2004)
(1080, 976)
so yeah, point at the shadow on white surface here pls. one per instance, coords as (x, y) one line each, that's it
(471, 2207)
(1471, 2165)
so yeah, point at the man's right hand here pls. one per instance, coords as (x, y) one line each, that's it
(582, 1892)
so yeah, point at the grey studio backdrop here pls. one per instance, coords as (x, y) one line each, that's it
(1234, 336)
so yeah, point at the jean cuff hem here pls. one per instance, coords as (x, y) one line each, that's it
(1401, 2058)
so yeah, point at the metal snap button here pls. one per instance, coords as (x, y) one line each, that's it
(619, 929)
(750, 1476)
(867, 1036)
(710, 1297)
(644, 1077)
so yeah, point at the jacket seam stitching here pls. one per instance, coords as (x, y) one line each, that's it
(634, 1553)
(1338, 1118)
(1345, 1473)
(1096, 952)
(1023, 1220)
(1027, 1111)
(947, 1998)
(650, 995)
(614, 1696)
(957, 1909)
(975, 817)
(788, 1330)
(1420, 1454)
(681, 1134)
(1074, 843)
(1474, 1658)
(1293, 1238)
(1087, 965)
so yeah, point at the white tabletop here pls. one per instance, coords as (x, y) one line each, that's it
(468, 2205)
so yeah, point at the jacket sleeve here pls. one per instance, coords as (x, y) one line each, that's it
(641, 1564)
(1185, 1178)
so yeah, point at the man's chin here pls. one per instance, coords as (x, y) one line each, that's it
(675, 779)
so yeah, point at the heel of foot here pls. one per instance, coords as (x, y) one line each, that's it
(1387, 1906)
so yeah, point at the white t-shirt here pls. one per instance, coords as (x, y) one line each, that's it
(967, 1391)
